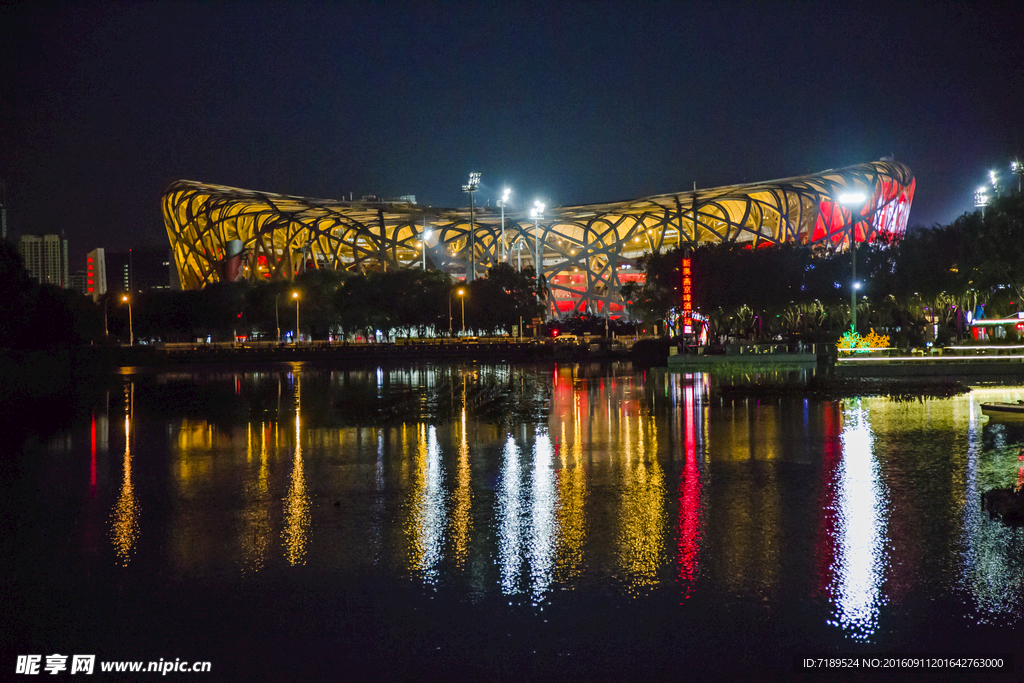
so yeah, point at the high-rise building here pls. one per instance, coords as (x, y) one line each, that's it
(46, 258)
(119, 272)
(150, 268)
(139, 270)
(96, 274)
(77, 282)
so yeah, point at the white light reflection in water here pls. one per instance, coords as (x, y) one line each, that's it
(993, 566)
(510, 533)
(543, 524)
(859, 566)
(428, 506)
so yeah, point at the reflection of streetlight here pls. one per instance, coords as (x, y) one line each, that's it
(471, 187)
(855, 202)
(295, 295)
(502, 202)
(131, 332)
(462, 298)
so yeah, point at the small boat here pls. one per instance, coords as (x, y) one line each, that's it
(1004, 410)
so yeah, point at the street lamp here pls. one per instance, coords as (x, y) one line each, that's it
(470, 188)
(502, 202)
(277, 317)
(536, 213)
(1017, 169)
(855, 202)
(131, 332)
(462, 298)
(295, 295)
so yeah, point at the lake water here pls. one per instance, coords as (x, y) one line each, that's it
(509, 522)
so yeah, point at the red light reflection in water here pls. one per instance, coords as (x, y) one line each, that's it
(689, 497)
(828, 530)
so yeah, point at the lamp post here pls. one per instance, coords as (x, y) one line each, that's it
(295, 295)
(536, 213)
(277, 317)
(470, 188)
(855, 202)
(1017, 169)
(462, 298)
(502, 202)
(131, 331)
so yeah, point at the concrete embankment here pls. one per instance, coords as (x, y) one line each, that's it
(996, 368)
(169, 355)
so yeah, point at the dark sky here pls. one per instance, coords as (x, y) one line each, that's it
(102, 105)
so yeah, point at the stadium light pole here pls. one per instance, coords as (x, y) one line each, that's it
(502, 202)
(470, 188)
(855, 202)
(536, 214)
(131, 331)
(1017, 169)
(981, 199)
(295, 295)
(426, 236)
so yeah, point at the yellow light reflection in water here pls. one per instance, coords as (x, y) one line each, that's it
(256, 530)
(296, 505)
(462, 499)
(641, 536)
(572, 494)
(510, 527)
(859, 566)
(125, 522)
(427, 507)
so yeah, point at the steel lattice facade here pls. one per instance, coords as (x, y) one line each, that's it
(586, 252)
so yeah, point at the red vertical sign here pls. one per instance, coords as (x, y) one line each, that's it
(687, 297)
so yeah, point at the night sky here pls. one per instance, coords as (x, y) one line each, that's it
(103, 105)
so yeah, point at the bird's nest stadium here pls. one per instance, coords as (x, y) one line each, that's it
(585, 253)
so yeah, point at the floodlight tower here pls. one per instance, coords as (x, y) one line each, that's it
(981, 199)
(855, 202)
(472, 186)
(1017, 169)
(536, 214)
(426, 235)
(502, 202)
